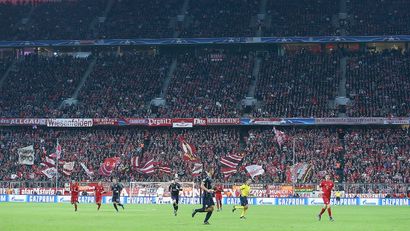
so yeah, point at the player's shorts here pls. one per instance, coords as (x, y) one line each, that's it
(218, 197)
(207, 201)
(244, 201)
(74, 199)
(175, 198)
(326, 200)
(116, 199)
(98, 199)
(337, 198)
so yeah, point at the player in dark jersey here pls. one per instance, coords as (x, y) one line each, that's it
(175, 188)
(116, 192)
(207, 197)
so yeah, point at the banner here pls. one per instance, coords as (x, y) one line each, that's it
(396, 121)
(22, 121)
(200, 121)
(104, 122)
(188, 150)
(255, 170)
(69, 122)
(350, 120)
(159, 122)
(26, 155)
(134, 121)
(261, 121)
(183, 123)
(108, 166)
(50, 172)
(148, 167)
(223, 121)
(87, 171)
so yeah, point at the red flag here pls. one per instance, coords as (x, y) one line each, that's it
(165, 169)
(231, 161)
(58, 150)
(228, 171)
(148, 167)
(196, 171)
(189, 150)
(108, 166)
(280, 137)
(135, 161)
(49, 162)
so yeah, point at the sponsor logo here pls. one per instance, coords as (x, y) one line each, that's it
(17, 198)
(316, 202)
(3, 198)
(266, 201)
(136, 121)
(291, 201)
(344, 201)
(64, 199)
(232, 200)
(86, 199)
(396, 202)
(139, 200)
(41, 199)
(369, 202)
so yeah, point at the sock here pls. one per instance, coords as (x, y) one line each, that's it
(239, 207)
(243, 213)
(121, 205)
(201, 210)
(321, 212)
(174, 205)
(99, 205)
(329, 211)
(208, 215)
(115, 206)
(75, 206)
(176, 208)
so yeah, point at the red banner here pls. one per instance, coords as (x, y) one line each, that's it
(159, 122)
(200, 121)
(223, 121)
(105, 121)
(22, 121)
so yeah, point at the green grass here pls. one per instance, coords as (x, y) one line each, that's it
(42, 217)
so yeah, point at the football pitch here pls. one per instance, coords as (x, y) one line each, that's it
(41, 217)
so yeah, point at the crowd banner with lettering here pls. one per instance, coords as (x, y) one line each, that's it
(285, 201)
(190, 122)
(220, 40)
(26, 155)
(70, 122)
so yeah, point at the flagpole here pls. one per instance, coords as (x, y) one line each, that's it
(57, 168)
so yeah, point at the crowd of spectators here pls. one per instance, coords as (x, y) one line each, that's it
(378, 17)
(37, 85)
(210, 84)
(300, 18)
(298, 84)
(378, 83)
(96, 19)
(121, 86)
(363, 155)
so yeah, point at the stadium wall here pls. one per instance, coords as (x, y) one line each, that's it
(196, 200)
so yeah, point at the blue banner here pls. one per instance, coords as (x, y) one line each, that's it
(225, 200)
(190, 41)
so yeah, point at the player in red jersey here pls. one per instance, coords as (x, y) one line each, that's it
(99, 190)
(218, 197)
(327, 186)
(74, 188)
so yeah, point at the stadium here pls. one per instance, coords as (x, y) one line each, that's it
(204, 115)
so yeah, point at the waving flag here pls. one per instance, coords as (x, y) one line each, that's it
(255, 170)
(197, 170)
(280, 137)
(49, 162)
(68, 168)
(87, 171)
(227, 171)
(231, 161)
(135, 161)
(189, 150)
(50, 172)
(108, 166)
(58, 150)
(165, 169)
(148, 167)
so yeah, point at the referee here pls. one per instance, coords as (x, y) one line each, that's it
(245, 188)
